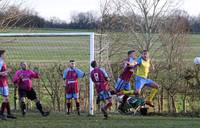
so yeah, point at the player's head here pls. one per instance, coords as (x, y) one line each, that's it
(93, 64)
(145, 54)
(24, 65)
(72, 64)
(2, 53)
(131, 53)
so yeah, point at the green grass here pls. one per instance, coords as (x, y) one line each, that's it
(58, 120)
(50, 49)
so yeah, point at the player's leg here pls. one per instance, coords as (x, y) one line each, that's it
(105, 96)
(125, 87)
(3, 107)
(33, 97)
(139, 83)
(68, 100)
(22, 95)
(119, 85)
(76, 98)
(5, 104)
(154, 91)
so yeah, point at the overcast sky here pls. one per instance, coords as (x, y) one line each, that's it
(65, 8)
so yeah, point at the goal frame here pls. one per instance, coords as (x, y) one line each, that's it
(91, 53)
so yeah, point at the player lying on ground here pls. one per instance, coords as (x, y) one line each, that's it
(23, 80)
(100, 79)
(71, 76)
(141, 79)
(4, 91)
(123, 82)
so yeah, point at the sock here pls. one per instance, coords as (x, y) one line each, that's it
(108, 105)
(39, 107)
(8, 108)
(3, 106)
(77, 106)
(23, 106)
(130, 92)
(152, 94)
(68, 107)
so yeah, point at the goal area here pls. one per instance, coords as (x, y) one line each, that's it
(50, 53)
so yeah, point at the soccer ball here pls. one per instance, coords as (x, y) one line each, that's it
(197, 60)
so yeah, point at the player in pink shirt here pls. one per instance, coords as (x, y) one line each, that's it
(100, 79)
(23, 80)
(4, 91)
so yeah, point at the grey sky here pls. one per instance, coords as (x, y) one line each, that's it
(65, 8)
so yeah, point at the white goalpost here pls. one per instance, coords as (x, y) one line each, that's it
(90, 36)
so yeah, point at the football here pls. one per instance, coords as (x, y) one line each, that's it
(197, 60)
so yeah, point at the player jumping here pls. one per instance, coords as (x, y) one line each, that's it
(143, 66)
(100, 79)
(123, 82)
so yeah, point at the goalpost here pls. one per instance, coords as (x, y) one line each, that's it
(90, 35)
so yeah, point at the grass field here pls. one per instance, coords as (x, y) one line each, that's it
(61, 49)
(46, 49)
(58, 120)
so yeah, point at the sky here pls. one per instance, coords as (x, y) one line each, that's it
(63, 9)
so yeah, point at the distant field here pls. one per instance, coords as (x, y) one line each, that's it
(46, 49)
(60, 49)
(45, 30)
(58, 120)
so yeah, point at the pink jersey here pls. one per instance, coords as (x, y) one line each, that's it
(23, 78)
(3, 79)
(71, 82)
(98, 76)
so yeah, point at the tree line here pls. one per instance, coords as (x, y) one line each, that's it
(14, 16)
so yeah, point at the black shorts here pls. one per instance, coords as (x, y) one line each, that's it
(29, 94)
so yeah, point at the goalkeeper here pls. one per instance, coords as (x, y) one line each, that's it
(23, 80)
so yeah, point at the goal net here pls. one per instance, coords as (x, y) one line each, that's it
(50, 53)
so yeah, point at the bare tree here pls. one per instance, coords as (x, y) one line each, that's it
(140, 18)
(173, 36)
(10, 13)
